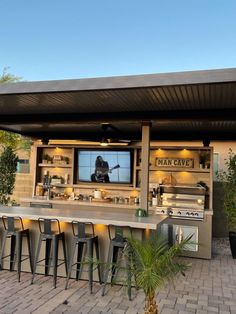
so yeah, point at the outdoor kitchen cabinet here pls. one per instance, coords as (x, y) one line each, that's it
(185, 177)
(186, 166)
(181, 232)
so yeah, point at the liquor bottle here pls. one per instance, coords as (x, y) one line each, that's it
(150, 198)
(45, 178)
(66, 178)
(154, 197)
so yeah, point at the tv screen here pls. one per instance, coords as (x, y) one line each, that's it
(104, 166)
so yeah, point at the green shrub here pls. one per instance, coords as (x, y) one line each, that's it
(8, 166)
(228, 179)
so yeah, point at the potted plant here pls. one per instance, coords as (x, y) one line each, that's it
(46, 159)
(8, 167)
(49, 159)
(228, 179)
(204, 159)
(65, 160)
(154, 263)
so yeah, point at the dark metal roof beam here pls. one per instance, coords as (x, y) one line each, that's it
(136, 136)
(181, 115)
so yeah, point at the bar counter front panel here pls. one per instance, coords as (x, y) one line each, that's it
(107, 210)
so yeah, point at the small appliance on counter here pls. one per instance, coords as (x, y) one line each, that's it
(97, 194)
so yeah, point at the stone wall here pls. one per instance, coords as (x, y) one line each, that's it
(23, 186)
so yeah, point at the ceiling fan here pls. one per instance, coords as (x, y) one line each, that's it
(111, 135)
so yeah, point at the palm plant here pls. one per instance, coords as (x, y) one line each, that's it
(155, 263)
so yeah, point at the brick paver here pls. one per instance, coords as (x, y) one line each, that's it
(208, 287)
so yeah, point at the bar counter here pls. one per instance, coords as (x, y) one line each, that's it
(81, 213)
(141, 226)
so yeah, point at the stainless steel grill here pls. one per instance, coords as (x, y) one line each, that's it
(185, 202)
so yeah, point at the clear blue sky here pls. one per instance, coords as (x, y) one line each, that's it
(49, 39)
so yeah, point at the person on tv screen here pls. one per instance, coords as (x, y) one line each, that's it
(101, 171)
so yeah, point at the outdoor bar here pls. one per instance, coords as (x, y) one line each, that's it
(106, 151)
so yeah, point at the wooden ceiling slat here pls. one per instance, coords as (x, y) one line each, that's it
(196, 95)
(164, 94)
(159, 98)
(191, 98)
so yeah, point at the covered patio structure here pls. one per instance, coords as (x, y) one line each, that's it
(198, 105)
(187, 106)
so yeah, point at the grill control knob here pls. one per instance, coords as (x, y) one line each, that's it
(187, 214)
(192, 214)
(196, 214)
(179, 213)
(171, 212)
(163, 212)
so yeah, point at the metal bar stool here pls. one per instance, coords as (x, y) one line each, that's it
(14, 229)
(51, 238)
(117, 244)
(82, 239)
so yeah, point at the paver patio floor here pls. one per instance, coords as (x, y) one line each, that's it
(208, 287)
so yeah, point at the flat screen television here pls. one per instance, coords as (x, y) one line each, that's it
(105, 166)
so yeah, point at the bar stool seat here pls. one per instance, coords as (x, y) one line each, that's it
(82, 239)
(117, 244)
(51, 238)
(14, 229)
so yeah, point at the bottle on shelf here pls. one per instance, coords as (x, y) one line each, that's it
(155, 197)
(150, 197)
(67, 178)
(47, 184)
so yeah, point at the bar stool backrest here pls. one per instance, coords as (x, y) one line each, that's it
(45, 225)
(12, 223)
(118, 232)
(80, 231)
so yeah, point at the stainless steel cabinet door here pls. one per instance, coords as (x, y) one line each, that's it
(182, 232)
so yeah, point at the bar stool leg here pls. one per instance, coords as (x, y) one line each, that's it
(129, 275)
(3, 249)
(73, 248)
(37, 257)
(55, 259)
(12, 252)
(29, 250)
(64, 252)
(106, 273)
(90, 257)
(79, 258)
(47, 256)
(19, 253)
(98, 259)
(114, 263)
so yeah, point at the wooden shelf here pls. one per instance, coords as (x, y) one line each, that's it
(54, 165)
(153, 168)
(58, 185)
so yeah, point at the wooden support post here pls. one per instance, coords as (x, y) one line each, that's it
(145, 164)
